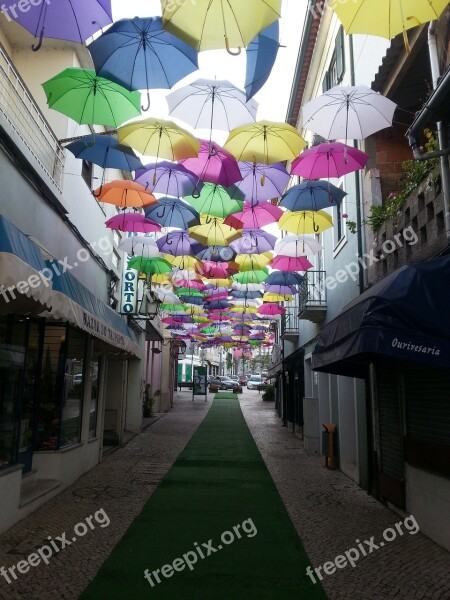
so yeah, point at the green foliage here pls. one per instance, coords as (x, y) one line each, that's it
(149, 400)
(229, 362)
(269, 393)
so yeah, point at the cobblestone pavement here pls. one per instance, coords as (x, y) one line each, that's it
(330, 512)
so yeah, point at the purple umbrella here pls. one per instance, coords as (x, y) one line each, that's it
(332, 159)
(71, 20)
(168, 178)
(214, 164)
(281, 290)
(178, 243)
(260, 182)
(258, 215)
(254, 241)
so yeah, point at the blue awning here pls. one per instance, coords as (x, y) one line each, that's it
(404, 316)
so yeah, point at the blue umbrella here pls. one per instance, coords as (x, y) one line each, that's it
(168, 178)
(312, 195)
(191, 300)
(105, 152)
(217, 305)
(245, 295)
(282, 278)
(139, 54)
(261, 55)
(217, 253)
(171, 212)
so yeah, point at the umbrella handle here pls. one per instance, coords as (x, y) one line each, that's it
(316, 228)
(92, 142)
(227, 45)
(163, 213)
(195, 192)
(39, 44)
(100, 189)
(145, 109)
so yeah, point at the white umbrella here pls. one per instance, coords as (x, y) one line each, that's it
(140, 245)
(297, 245)
(210, 104)
(166, 296)
(348, 113)
(247, 287)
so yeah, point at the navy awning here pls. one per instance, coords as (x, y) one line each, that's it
(404, 316)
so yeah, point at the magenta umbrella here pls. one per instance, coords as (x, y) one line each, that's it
(289, 263)
(215, 270)
(213, 164)
(257, 216)
(260, 182)
(132, 221)
(332, 159)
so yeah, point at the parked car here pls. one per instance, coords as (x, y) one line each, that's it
(234, 377)
(243, 380)
(224, 383)
(254, 381)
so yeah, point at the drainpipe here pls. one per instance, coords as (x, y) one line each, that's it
(442, 126)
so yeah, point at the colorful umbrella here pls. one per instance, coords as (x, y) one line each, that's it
(297, 245)
(280, 290)
(253, 262)
(260, 182)
(217, 253)
(331, 160)
(214, 200)
(265, 142)
(270, 297)
(124, 194)
(171, 212)
(353, 112)
(159, 137)
(133, 222)
(213, 232)
(258, 215)
(140, 246)
(139, 54)
(89, 99)
(152, 266)
(281, 278)
(254, 241)
(271, 308)
(184, 262)
(249, 277)
(168, 178)
(261, 55)
(306, 221)
(105, 152)
(290, 263)
(312, 195)
(214, 164)
(219, 24)
(178, 243)
(214, 270)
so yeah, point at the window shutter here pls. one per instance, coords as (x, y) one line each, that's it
(325, 82)
(340, 55)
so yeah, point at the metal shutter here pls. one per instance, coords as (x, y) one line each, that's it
(391, 437)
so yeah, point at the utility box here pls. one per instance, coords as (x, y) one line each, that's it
(329, 446)
(311, 428)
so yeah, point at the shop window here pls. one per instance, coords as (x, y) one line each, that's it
(72, 401)
(93, 406)
(87, 173)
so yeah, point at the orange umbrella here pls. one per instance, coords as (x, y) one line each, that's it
(124, 194)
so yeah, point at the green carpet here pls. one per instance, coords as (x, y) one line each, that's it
(225, 396)
(218, 482)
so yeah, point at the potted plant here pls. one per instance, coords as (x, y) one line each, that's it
(269, 394)
(149, 400)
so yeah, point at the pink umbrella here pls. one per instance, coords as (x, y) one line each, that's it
(214, 164)
(257, 215)
(332, 159)
(271, 308)
(221, 296)
(194, 285)
(215, 270)
(132, 221)
(290, 263)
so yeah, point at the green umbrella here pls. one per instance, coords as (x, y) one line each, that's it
(88, 99)
(214, 200)
(251, 276)
(150, 265)
(183, 291)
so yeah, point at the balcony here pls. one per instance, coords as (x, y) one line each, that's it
(290, 322)
(313, 297)
(19, 111)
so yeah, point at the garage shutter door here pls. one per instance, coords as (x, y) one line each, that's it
(392, 460)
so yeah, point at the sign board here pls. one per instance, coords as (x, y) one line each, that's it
(129, 292)
(200, 383)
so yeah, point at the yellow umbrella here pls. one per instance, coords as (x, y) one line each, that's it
(218, 282)
(253, 262)
(265, 142)
(305, 221)
(270, 297)
(160, 279)
(184, 262)
(212, 232)
(159, 137)
(386, 18)
(215, 24)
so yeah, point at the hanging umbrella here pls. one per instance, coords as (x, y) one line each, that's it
(188, 291)
(89, 99)
(214, 200)
(133, 222)
(261, 55)
(331, 160)
(139, 245)
(297, 245)
(258, 215)
(306, 221)
(214, 270)
(254, 241)
(253, 262)
(243, 295)
(211, 104)
(183, 263)
(270, 297)
(152, 266)
(271, 308)
(247, 287)
(260, 182)
(214, 164)
(290, 263)
(159, 137)
(217, 253)
(105, 152)
(348, 113)
(219, 24)
(281, 278)
(280, 290)
(171, 212)
(194, 285)
(168, 178)
(178, 243)
(248, 277)
(139, 54)
(265, 142)
(312, 195)
(124, 194)
(213, 232)
(166, 297)
(71, 20)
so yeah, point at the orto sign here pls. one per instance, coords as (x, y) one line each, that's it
(129, 294)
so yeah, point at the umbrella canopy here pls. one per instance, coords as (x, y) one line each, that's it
(249, 277)
(253, 262)
(214, 164)
(168, 178)
(159, 137)
(211, 104)
(258, 215)
(352, 112)
(124, 194)
(184, 262)
(105, 152)
(140, 246)
(217, 253)
(213, 232)
(261, 55)
(152, 266)
(270, 297)
(133, 222)
(71, 20)
(271, 308)
(260, 182)
(280, 290)
(265, 142)
(281, 278)
(290, 263)
(214, 270)
(306, 221)
(214, 200)
(219, 23)
(297, 245)
(171, 212)
(312, 195)
(139, 54)
(332, 159)
(254, 241)
(89, 99)
(178, 243)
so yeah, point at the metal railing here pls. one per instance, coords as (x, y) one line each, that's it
(25, 117)
(290, 323)
(312, 290)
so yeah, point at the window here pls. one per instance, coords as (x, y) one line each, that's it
(72, 401)
(95, 382)
(336, 68)
(115, 258)
(339, 222)
(86, 173)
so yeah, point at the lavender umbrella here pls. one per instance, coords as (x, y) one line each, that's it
(178, 243)
(168, 178)
(260, 182)
(254, 241)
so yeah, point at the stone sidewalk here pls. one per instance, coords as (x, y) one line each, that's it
(328, 510)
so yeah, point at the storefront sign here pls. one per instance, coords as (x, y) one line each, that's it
(129, 293)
